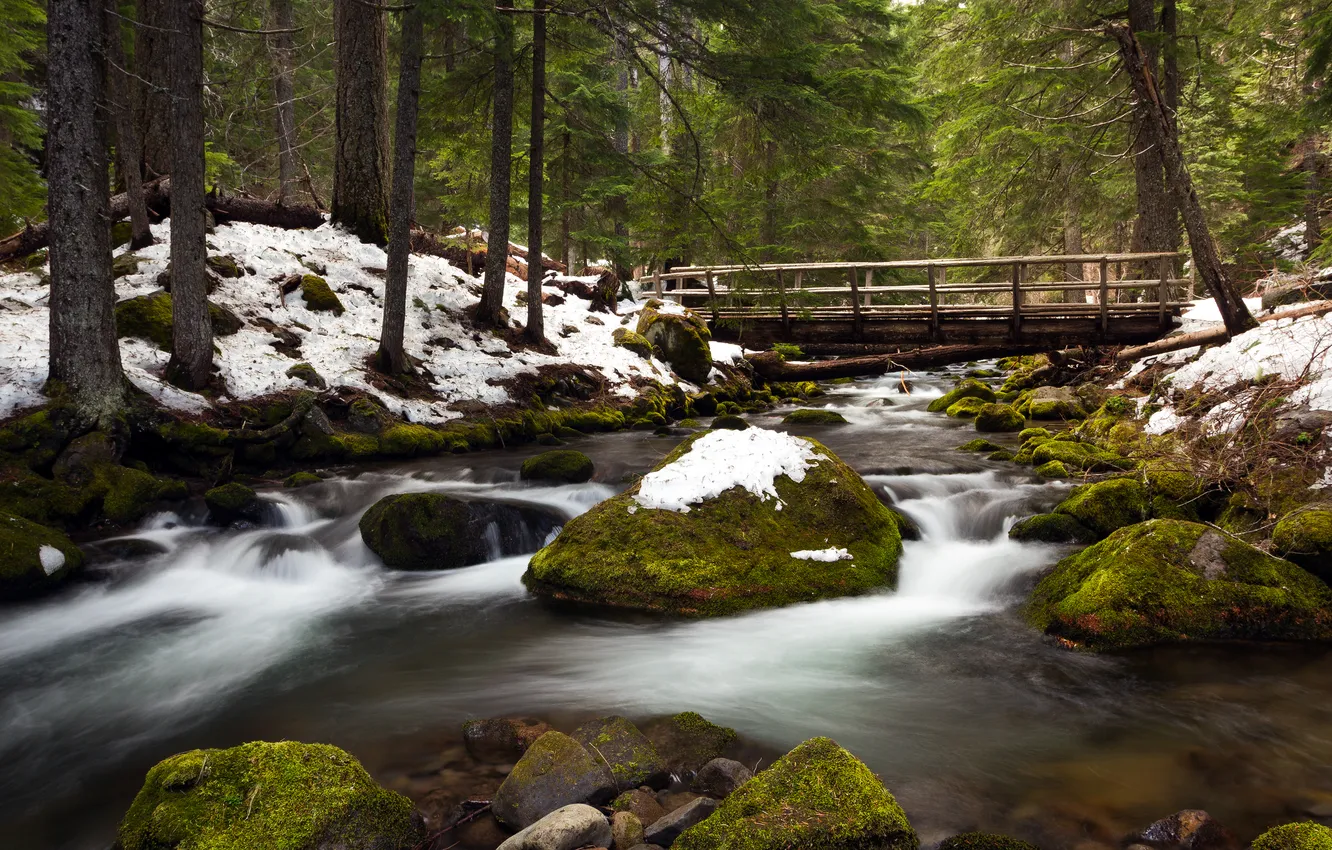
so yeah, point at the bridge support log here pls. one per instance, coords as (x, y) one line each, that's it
(770, 366)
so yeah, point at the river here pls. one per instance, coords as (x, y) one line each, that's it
(188, 637)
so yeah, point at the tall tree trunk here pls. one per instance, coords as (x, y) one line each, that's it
(392, 358)
(1172, 87)
(536, 163)
(152, 89)
(1163, 135)
(282, 47)
(501, 156)
(1313, 196)
(191, 364)
(84, 357)
(664, 80)
(566, 208)
(619, 205)
(360, 167)
(129, 149)
(1151, 229)
(1073, 245)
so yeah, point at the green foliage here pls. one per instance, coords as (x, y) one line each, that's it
(21, 38)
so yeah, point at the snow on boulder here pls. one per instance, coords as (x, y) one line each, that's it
(711, 531)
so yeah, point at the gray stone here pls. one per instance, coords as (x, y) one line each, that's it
(573, 826)
(632, 759)
(626, 830)
(555, 771)
(667, 829)
(719, 777)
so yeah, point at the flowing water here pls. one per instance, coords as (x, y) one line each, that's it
(185, 636)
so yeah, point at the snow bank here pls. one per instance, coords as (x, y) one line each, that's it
(720, 460)
(826, 555)
(466, 365)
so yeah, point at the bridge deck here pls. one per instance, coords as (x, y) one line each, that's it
(760, 305)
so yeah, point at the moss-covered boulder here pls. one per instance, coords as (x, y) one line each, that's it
(1002, 454)
(306, 374)
(1295, 836)
(556, 771)
(619, 744)
(1052, 470)
(966, 408)
(289, 795)
(1106, 506)
(980, 444)
(681, 337)
(430, 531)
(301, 479)
(224, 265)
(125, 264)
(728, 422)
(1052, 403)
(1031, 433)
(687, 741)
(1074, 455)
(814, 417)
(317, 295)
(1305, 537)
(635, 342)
(35, 558)
(999, 418)
(1052, 528)
(233, 502)
(1166, 581)
(984, 841)
(562, 466)
(816, 797)
(729, 521)
(149, 317)
(965, 389)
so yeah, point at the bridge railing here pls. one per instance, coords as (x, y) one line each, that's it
(877, 289)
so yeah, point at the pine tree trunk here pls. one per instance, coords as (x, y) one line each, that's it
(129, 149)
(501, 155)
(1162, 134)
(152, 84)
(84, 356)
(566, 211)
(1313, 196)
(392, 356)
(191, 364)
(360, 166)
(1073, 245)
(1172, 86)
(536, 163)
(281, 45)
(1151, 229)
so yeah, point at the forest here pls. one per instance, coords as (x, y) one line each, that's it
(646, 424)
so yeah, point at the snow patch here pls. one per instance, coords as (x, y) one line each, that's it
(52, 558)
(826, 555)
(720, 460)
(725, 352)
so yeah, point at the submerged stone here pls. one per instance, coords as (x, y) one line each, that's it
(816, 797)
(431, 531)
(289, 795)
(565, 466)
(1166, 581)
(984, 841)
(502, 740)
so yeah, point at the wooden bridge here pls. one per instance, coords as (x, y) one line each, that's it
(912, 302)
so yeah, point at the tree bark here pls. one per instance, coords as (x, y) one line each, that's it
(129, 149)
(282, 47)
(191, 364)
(566, 208)
(501, 155)
(1163, 135)
(152, 82)
(1172, 87)
(392, 357)
(536, 163)
(361, 164)
(1073, 245)
(1151, 229)
(84, 353)
(1313, 197)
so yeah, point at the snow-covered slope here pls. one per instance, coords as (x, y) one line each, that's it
(466, 365)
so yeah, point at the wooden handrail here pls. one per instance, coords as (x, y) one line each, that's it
(1050, 260)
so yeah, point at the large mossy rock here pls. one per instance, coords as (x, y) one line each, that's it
(1295, 836)
(1305, 537)
(1107, 506)
(33, 558)
(289, 795)
(562, 466)
(966, 408)
(618, 743)
(556, 771)
(317, 295)
(810, 416)
(1052, 403)
(149, 317)
(718, 551)
(966, 389)
(430, 531)
(816, 797)
(635, 342)
(1074, 455)
(1052, 528)
(1166, 581)
(681, 337)
(233, 502)
(999, 418)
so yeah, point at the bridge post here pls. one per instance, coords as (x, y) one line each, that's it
(1017, 301)
(656, 283)
(800, 278)
(781, 298)
(712, 294)
(855, 304)
(934, 304)
(1105, 296)
(869, 282)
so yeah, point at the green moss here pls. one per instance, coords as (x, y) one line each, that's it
(1031, 433)
(306, 373)
(301, 479)
(149, 317)
(1052, 528)
(1165, 581)
(318, 297)
(47, 502)
(788, 351)
(620, 746)
(683, 340)
(965, 389)
(592, 420)
(22, 571)
(1002, 454)
(1081, 456)
(635, 342)
(420, 531)
(966, 408)
(729, 422)
(980, 444)
(984, 841)
(1295, 836)
(129, 492)
(1052, 469)
(285, 796)
(994, 418)
(224, 266)
(125, 264)
(564, 466)
(1305, 537)
(555, 771)
(814, 417)
(816, 797)
(726, 554)
(410, 440)
(1107, 505)
(230, 499)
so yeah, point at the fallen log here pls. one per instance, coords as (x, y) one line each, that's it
(157, 197)
(769, 366)
(1211, 336)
